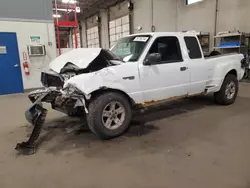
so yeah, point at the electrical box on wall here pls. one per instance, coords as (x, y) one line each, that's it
(36, 50)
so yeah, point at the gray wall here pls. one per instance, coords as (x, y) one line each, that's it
(199, 16)
(92, 22)
(164, 19)
(104, 26)
(118, 11)
(83, 33)
(175, 15)
(26, 9)
(142, 15)
(233, 15)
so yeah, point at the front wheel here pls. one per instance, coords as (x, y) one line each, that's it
(109, 115)
(228, 91)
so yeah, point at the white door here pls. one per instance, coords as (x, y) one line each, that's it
(198, 68)
(167, 78)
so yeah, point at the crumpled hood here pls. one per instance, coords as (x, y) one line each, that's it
(80, 57)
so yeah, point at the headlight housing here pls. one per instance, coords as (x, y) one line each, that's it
(72, 90)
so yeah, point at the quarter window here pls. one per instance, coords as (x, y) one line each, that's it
(193, 47)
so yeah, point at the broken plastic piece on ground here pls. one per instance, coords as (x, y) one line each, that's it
(25, 149)
(36, 114)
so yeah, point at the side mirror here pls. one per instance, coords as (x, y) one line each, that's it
(152, 59)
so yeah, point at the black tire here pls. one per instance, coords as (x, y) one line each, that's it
(95, 118)
(220, 97)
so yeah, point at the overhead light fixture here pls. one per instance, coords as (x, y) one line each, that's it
(67, 10)
(57, 16)
(69, 1)
(189, 2)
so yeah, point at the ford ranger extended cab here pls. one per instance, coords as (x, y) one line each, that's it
(141, 70)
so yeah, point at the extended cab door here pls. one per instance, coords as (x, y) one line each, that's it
(198, 69)
(168, 77)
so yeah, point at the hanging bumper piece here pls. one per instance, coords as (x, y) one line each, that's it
(35, 115)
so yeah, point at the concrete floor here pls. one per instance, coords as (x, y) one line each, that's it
(190, 143)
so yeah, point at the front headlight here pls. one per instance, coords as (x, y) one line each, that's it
(72, 90)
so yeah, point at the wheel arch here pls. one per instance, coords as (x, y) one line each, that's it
(103, 90)
(233, 72)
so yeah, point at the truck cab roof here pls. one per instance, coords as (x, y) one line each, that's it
(160, 34)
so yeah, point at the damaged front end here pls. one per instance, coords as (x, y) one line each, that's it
(64, 100)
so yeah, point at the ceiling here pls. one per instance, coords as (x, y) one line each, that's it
(90, 7)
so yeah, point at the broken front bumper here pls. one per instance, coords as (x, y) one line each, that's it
(35, 110)
(36, 114)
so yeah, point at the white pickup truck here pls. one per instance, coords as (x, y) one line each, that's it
(139, 71)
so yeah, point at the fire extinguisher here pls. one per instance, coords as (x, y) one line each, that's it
(26, 68)
(25, 64)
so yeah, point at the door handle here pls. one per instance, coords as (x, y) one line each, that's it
(183, 68)
(16, 65)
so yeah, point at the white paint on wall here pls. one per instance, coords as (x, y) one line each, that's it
(84, 33)
(233, 15)
(142, 16)
(23, 31)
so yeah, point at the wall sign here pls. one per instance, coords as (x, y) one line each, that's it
(3, 50)
(35, 39)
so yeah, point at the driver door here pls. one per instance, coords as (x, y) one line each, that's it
(168, 77)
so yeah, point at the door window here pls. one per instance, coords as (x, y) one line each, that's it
(168, 48)
(193, 47)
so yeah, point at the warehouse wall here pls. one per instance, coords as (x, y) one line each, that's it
(175, 15)
(118, 11)
(83, 33)
(92, 22)
(26, 9)
(233, 15)
(104, 29)
(199, 16)
(164, 15)
(158, 13)
(30, 18)
(36, 64)
(142, 16)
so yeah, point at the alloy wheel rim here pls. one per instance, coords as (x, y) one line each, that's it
(113, 115)
(230, 90)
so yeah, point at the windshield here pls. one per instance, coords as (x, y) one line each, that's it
(130, 48)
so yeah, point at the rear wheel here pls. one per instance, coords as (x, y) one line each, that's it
(228, 91)
(109, 115)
